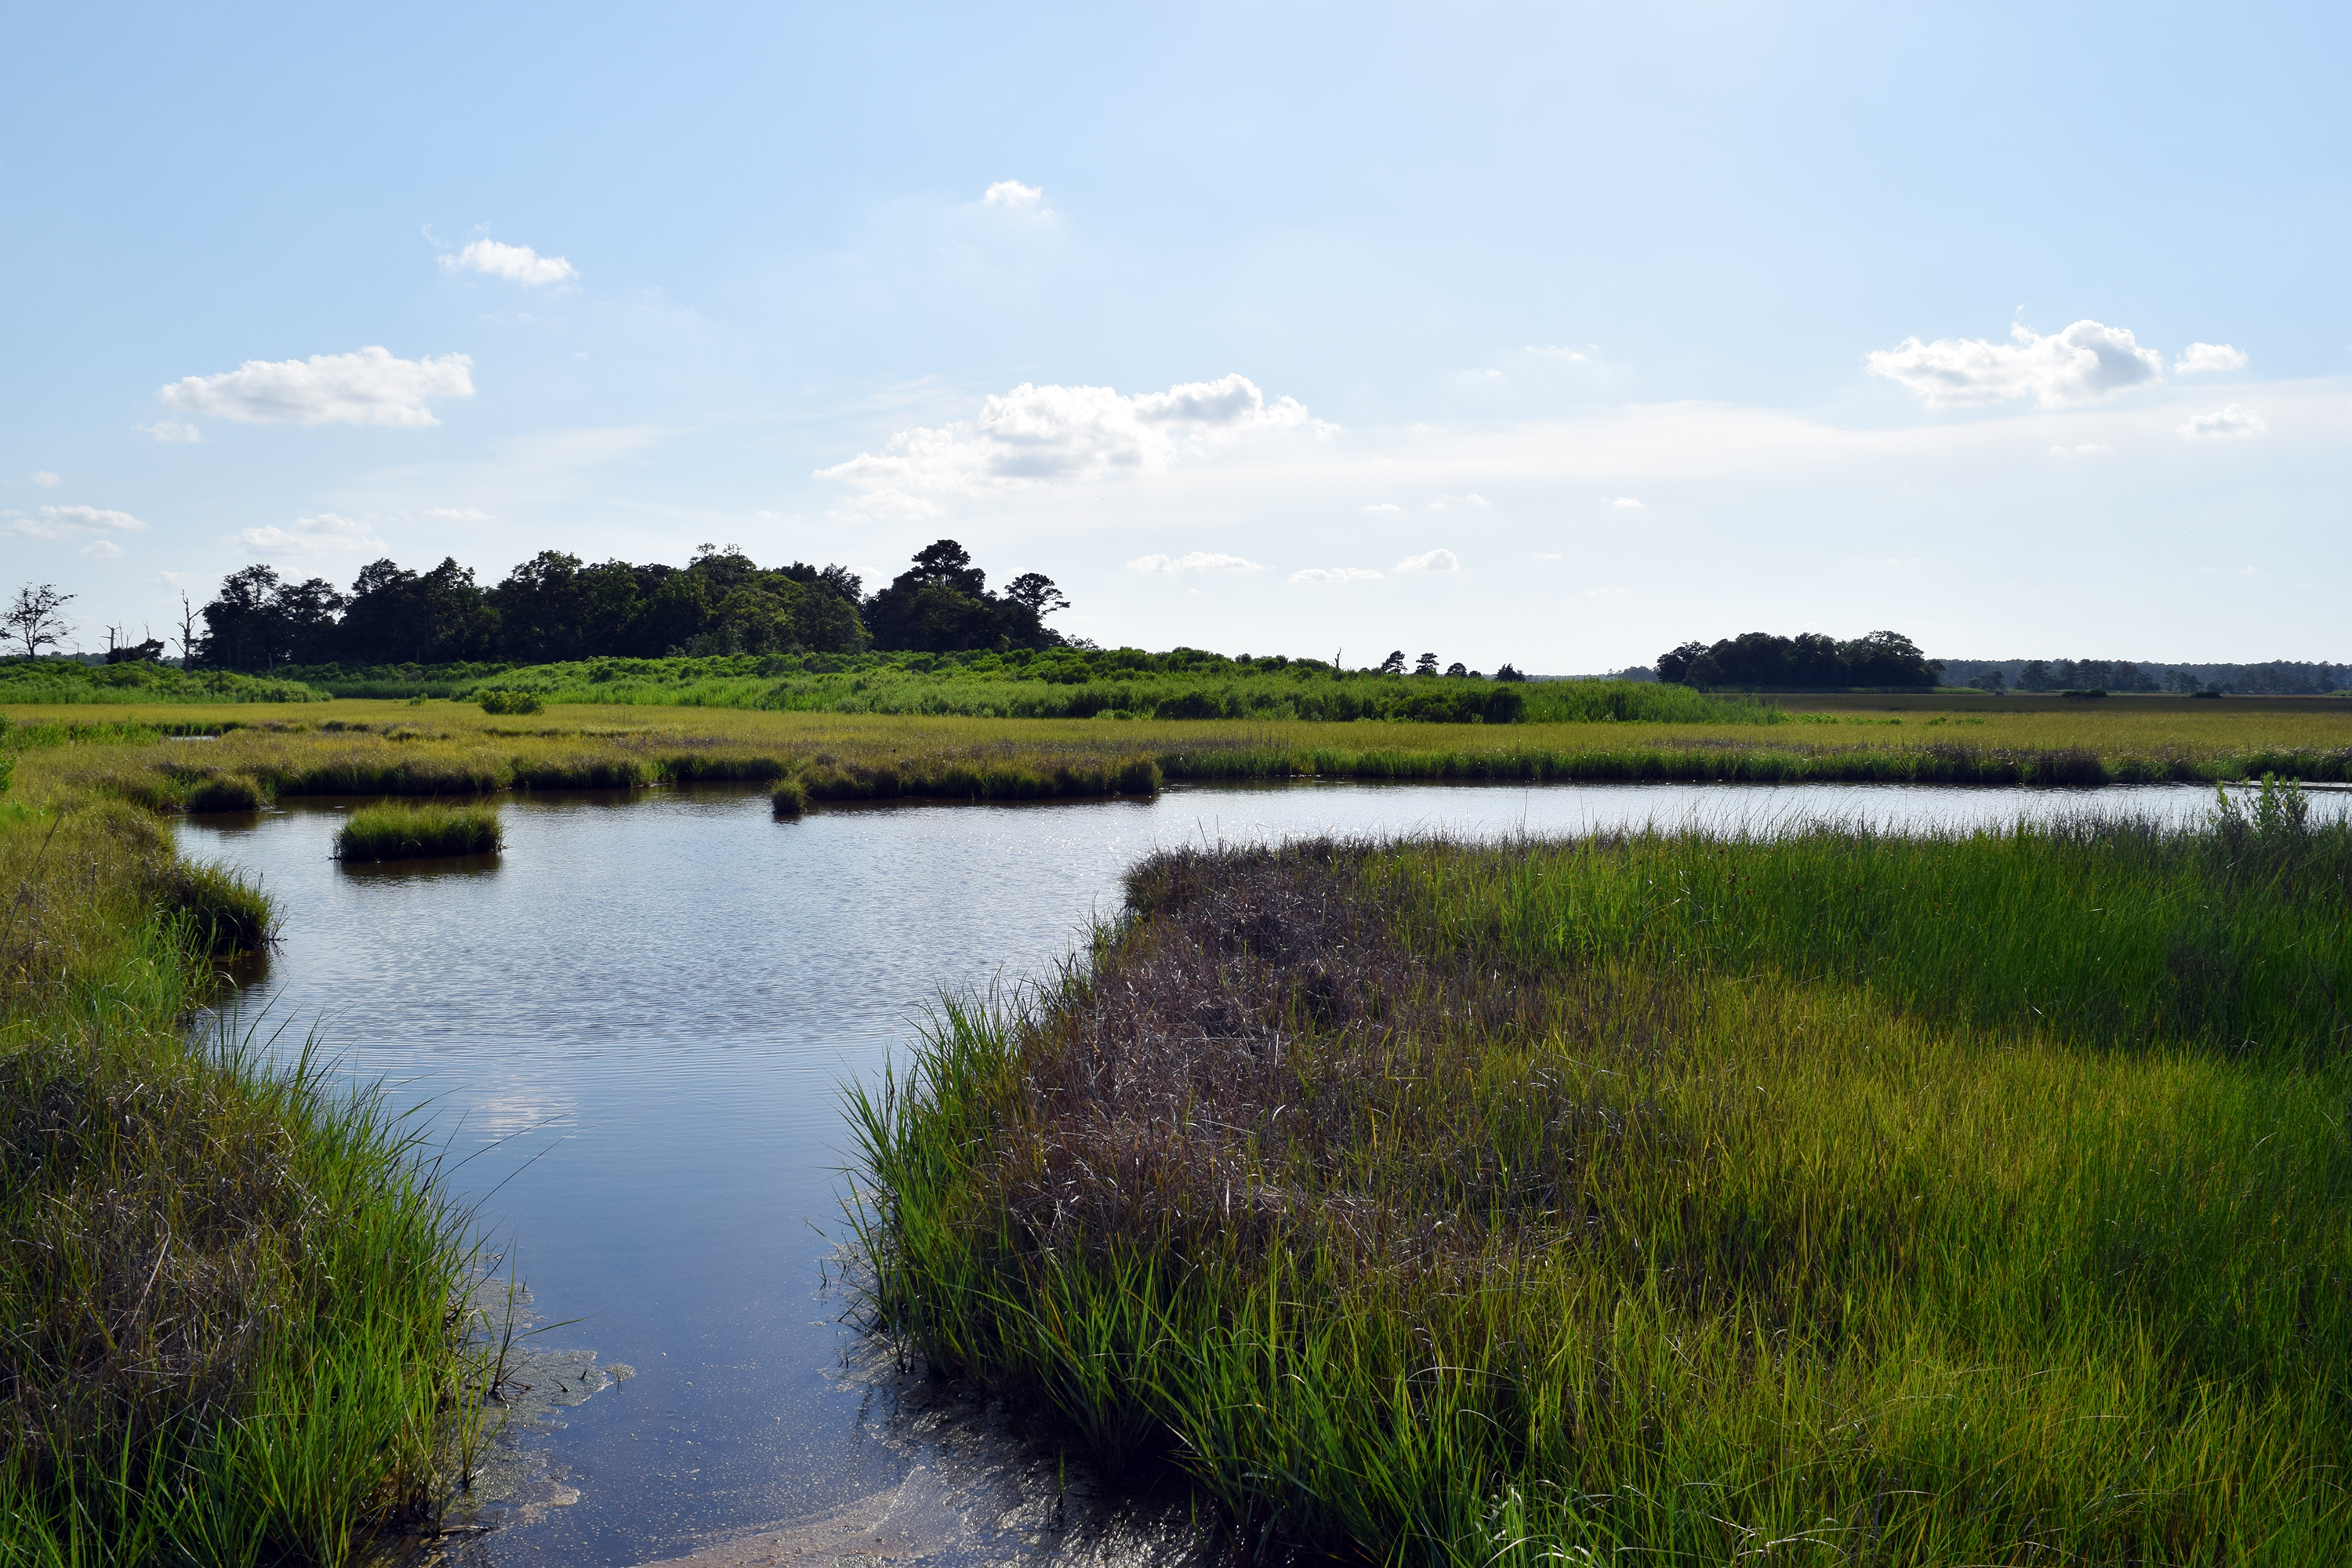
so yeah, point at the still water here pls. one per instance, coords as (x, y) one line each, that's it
(634, 1026)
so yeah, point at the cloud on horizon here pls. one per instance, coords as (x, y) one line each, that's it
(2085, 363)
(1431, 560)
(370, 387)
(1336, 574)
(1196, 560)
(2232, 420)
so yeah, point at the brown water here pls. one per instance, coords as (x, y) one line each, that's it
(637, 1023)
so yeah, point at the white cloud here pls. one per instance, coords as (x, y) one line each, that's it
(173, 432)
(1197, 561)
(2082, 449)
(516, 263)
(1431, 560)
(104, 549)
(898, 506)
(325, 534)
(1442, 502)
(1016, 196)
(370, 387)
(1627, 503)
(72, 522)
(1041, 435)
(2232, 420)
(2085, 361)
(1554, 351)
(1545, 556)
(46, 479)
(2198, 357)
(1336, 574)
(1377, 506)
(456, 514)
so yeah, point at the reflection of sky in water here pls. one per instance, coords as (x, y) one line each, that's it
(654, 1004)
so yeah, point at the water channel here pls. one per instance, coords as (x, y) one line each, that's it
(634, 1026)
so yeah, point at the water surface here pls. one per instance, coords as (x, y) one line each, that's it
(637, 1021)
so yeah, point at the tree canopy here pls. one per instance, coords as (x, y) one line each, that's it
(1808, 661)
(555, 607)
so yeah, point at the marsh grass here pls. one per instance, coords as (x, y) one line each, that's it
(1825, 1197)
(404, 830)
(232, 1319)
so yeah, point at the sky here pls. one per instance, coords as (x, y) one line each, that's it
(1555, 334)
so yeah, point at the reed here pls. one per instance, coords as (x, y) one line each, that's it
(1969, 1198)
(401, 830)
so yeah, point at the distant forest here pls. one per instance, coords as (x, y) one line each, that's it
(2279, 678)
(555, 607)
(1808, 662)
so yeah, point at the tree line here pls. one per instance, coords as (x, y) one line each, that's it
(1808, 661)
(555, 607)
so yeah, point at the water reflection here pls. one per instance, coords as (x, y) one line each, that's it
(639, 1018)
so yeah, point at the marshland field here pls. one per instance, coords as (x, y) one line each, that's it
(1880, 1130)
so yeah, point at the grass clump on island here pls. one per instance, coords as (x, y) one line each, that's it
(1969, 1198)
(234, 1297)
(405, 830)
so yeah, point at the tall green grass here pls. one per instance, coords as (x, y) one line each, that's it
(1819, 1196)
(233, 1298)
(404, 830)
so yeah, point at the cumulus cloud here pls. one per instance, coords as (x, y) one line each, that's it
(1336, 574)
(1431, 560)
(2084, 363)
(325, 534)
(72, 522)
(1195, 561)
(2232, 420)
(1554, 351)
(1015, 196)
(515, 263)
(46, 479)
(370, 387)
(1627, 503)
(2082, 449)
(104, 549)
(1044, 435)
(173, 432)
(2209, 356)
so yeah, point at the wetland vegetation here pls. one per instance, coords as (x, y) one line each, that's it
(234, 1298)
(1964, 1198)
(413, 830)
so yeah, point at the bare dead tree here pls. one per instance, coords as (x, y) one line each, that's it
(187, 631)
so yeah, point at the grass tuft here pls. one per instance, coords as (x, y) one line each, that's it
(226, 792)
(791, 797)
(405, 831)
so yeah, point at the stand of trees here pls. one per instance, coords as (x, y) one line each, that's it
(2277, 677)
(1810, 662)
(555, 607)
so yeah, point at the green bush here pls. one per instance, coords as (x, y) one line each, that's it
(508, 701)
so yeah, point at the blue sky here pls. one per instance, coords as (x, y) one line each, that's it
(1552, 334)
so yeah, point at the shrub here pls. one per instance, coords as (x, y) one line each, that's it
(791, 797)
(511, 701)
